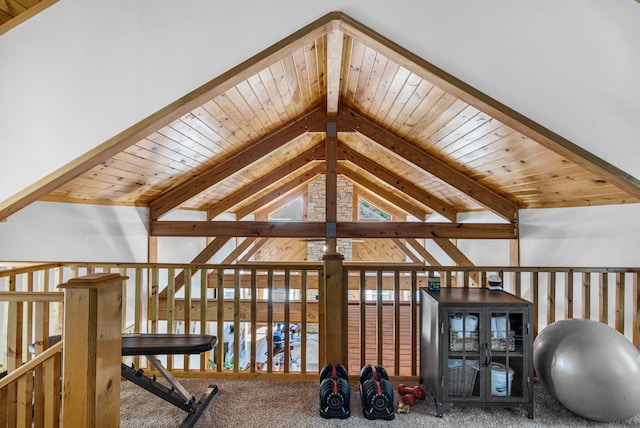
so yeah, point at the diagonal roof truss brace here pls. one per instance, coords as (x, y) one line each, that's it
(190, 188)
(494, 202)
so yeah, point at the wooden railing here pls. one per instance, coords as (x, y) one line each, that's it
(30, 395)
(383, 304)
(245, 305)
(30, 384)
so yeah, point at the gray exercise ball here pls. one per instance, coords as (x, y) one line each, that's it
(589, 367)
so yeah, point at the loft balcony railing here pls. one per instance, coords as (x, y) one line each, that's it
(253, 304)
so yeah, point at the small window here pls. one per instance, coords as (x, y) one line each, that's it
(367, 211)
(290, 212)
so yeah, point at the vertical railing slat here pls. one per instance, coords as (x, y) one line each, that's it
(619, 303)
(363, 317)
(187, 313)
(254, 319)
(171, 302)
(270, 320)
(568, 295)
(25, 393)
(603, 310)
(137, 313)
(302, 364)
(586, 295)
(52, 386)
(203, 314)
(287, 320)
(125, 298)
(551, 298)
(396, 322)
(154, 297)
(322, 356)
(236, 320)
(28, 320)
(220, 319)
(379, 319)
(415, 330)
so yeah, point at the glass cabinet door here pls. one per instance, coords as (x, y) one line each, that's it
(462, 357)
(506, 375)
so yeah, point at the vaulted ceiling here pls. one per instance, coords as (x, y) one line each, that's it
(15, 12)
(401, 128)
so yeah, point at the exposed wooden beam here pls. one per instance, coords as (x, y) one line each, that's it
(316, 229)
(237, 252)
(256, 246)
(335, 41)
(453, 251)
(457, 256)
(490, 106)
(496, 203)
(423, 252)
(405, 249)
(203, 257)
(378, 189)
(426, 230)
(25, 14)
(396, 181)
(279, 191)
(241, 195)
(331, 186)
(272, 229)
(190, 188)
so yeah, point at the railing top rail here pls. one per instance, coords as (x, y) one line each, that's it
(249, 265)
(492, 269)
(31, 296)
(30, 365)
(319, 266)
(27, 269)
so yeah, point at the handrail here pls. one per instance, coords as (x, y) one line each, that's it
(34, 268)
(30, 365)
(31, 296)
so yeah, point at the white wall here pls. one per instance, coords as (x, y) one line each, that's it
(84, 70)
(50, 231)
(607, 236)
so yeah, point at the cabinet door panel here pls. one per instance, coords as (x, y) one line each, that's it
(463, 331)
(461, 378)
(507, 374)
(506, 377)
(508, 330)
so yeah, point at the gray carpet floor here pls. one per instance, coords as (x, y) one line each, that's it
(262, 403)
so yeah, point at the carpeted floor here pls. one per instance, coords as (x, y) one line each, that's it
(262, 403)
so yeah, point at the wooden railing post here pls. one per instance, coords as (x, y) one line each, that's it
(335, 311)
(92, 351)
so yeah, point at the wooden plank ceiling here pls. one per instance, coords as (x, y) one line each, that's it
(15, 12)
(408, 132)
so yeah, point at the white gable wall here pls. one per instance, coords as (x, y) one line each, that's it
(607, 236)
(82, 71)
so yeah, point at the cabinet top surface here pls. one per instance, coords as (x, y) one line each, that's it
(482, 296)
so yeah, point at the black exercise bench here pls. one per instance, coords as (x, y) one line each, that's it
(151, 345)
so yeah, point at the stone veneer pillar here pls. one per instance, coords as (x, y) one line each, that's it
(316, 212)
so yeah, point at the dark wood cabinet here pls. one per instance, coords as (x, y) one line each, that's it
(476, 348)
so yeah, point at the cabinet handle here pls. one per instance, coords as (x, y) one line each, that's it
(487, 354)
